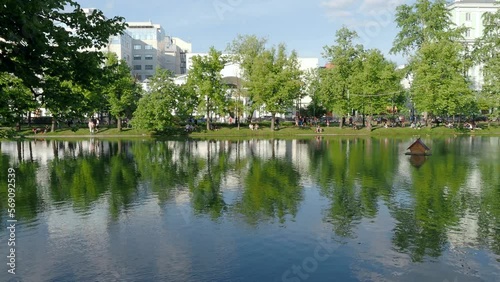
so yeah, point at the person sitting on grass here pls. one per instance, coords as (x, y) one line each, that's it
(256, 126)
(318, 129)
(250, 126)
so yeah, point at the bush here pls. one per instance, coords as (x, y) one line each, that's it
(8, 133)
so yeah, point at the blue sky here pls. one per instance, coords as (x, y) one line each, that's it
(303, 25)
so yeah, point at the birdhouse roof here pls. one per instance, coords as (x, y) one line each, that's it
(418, 143)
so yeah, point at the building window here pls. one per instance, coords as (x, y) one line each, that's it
(137, 57)
(148, 47)
(137, 46)
(148, 67)
(467, 33)
(467, 17)
(148, 57)
(137, 67)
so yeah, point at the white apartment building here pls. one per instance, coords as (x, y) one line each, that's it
(146, 47)
(469, 13)
(121, 45)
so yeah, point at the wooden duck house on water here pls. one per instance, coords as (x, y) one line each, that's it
(418, 148)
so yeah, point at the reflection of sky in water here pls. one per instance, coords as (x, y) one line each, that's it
(169, 241)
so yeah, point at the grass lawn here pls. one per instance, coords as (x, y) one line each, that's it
(287, 130)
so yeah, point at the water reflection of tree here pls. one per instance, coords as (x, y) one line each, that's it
(83, 177)
(28, 200)
(354, 174)
(271, 190)
(167, 168)
(80, 180)
(422, 227)
(205, 190)
(123, 180)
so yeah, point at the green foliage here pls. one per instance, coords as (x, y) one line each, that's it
(120, 88)
(487, 49)
(206, 79)
(275, 80)
(244, 50)
(64, 99)
(15, 99)
(53, 38)
(439, 86)
(423, 22)
(376, 83)
(165, 105)
(337, 81)
(433, 43)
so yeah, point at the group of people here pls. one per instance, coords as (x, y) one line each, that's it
(471, 125)
(189, 128)
(93, 125)
(253, 126)
(41, 130)
(301, 121)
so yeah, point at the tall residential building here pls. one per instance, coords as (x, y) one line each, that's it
(121, 45)
(148, 48)
(184, 48)
(469, 13)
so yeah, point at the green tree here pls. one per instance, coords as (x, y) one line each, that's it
(433, 43)
(121, 90)
(244, 50)
(53, 38)
(165, 105)
(64, 100)
(275, 80)
(15, 100)
(311, 87)
(375, 79)
(337, 81)
(487, 53)
(206, 79)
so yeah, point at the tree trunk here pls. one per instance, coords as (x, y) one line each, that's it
(208, 119)
(341, 122)
(208, 113)
(369, 123)
(119, 123)
(273, 120)
(29, 119)
(53, 126)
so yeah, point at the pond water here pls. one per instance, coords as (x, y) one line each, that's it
(318, 209)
